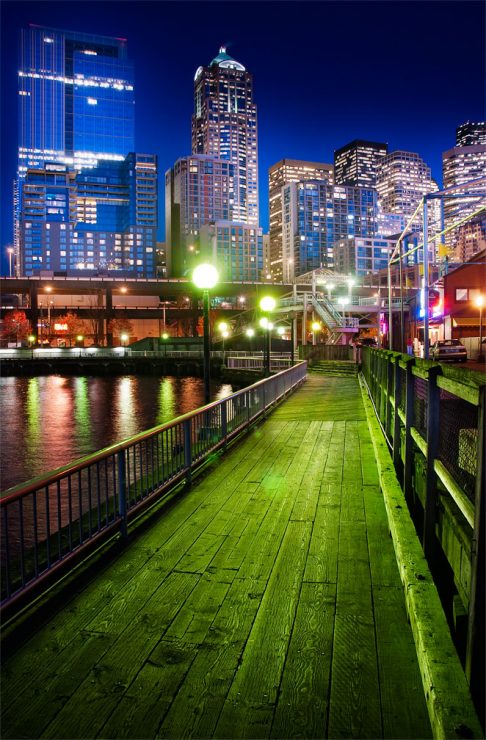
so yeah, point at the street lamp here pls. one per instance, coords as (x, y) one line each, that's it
(124, 338)
(267, 304)
(10, 252)
(165, 337)
(479, 301)
(315, 328)
(205, 277)
(224, 331)
(250, 333)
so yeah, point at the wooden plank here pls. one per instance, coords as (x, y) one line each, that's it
(302, 706)
(102, 689)
(201, 695)
(249, 707)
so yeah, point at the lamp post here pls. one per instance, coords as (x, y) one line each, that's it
(205, 277)
(315, 328)
(10, 252)
(479, 301)
(250, 333)
(267, 304)
(165, 337)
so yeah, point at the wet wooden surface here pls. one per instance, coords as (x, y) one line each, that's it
(265, 603)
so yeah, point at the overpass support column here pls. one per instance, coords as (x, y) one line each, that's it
(304, 322)
(34, 309)
(109, 315)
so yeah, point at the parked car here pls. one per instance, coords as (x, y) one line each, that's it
(448, 350)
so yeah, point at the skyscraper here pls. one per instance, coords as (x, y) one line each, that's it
(316, 216)
(403, 178)
(280, 174)
(98, 219)
(471, 134)
(85, 201)
(76, 99)
(463, 164)
(357, 163)
(224, 125)
(212, 195)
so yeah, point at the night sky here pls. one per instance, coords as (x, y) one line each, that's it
(407, 73)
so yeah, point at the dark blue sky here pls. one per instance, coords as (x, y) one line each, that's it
(407, 73)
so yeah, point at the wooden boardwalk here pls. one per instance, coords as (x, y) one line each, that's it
(265, 602)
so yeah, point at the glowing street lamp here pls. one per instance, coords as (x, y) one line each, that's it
(124, 339)
(165, 337)
(250, 333)
(315, 328)
(267, 304)
(479, 302)
(205, 277)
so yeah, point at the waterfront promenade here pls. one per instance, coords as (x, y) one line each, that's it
(265, 601)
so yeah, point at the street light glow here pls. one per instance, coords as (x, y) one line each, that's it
(281, 330)
(165, 335)
(479, 301)
(250, 332)
(316, 326)
(223, 326)
(205, 276)
(268, 303)
(263, 322)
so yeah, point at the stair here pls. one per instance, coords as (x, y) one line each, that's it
(334, 367)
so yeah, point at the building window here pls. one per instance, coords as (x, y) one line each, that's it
(461, 294)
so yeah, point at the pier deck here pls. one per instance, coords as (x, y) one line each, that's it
(263, 602)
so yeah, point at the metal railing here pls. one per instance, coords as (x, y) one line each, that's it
(434, 419)
(255, 362)
(49, 521)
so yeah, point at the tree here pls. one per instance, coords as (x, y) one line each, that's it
(16, 326)
(117, 327)
(74, 325)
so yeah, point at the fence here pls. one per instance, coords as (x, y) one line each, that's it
(433, 417)
(50, 520)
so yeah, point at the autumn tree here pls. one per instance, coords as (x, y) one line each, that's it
(74, 325)
(16, 326)
(117, 327)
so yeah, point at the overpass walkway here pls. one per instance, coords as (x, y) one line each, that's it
(264, 602)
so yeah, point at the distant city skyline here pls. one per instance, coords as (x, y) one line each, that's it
(325, 73)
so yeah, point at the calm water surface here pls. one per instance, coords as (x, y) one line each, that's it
(50, 421)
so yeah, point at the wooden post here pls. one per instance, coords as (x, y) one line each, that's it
(430, 507)
(475, 668)
(389, 386)
(122, 494)
(397, 397)
(188, 449)
(408, 461)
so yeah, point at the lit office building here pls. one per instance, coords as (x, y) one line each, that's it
(359, 256)
(237, 249)
(96, 220)
(390, 223)
(460, 165)
(316, 216)
(357, 163)
(198, 190)
(471, 134)
(280, 174)
(471, 239)
(403, 179)
(224, 125)
(76, 99)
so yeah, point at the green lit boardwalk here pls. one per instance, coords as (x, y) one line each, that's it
(266, 602)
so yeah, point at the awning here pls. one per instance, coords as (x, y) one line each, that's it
(465, 322)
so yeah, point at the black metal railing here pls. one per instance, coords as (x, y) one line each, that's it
(49, 520)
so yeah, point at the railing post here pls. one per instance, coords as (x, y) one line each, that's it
(409, 444)
(224, 422)
(188, 450)
(389, 385)
(430, 506)
(122, 494)
(397, 397)
(475, 667)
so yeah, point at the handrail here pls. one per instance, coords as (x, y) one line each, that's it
(47, 520)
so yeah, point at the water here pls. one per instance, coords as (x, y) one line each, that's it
(49, 421)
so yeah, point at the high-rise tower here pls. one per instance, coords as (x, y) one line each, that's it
(357, 163)
(76, 99)
(224, 125)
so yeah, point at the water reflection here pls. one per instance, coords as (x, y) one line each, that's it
(50, 421)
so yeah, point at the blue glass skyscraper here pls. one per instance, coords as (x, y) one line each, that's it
(87, 203)
(76, 99)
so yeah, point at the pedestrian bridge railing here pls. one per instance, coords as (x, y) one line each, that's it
(433, 417)
(52, 521)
